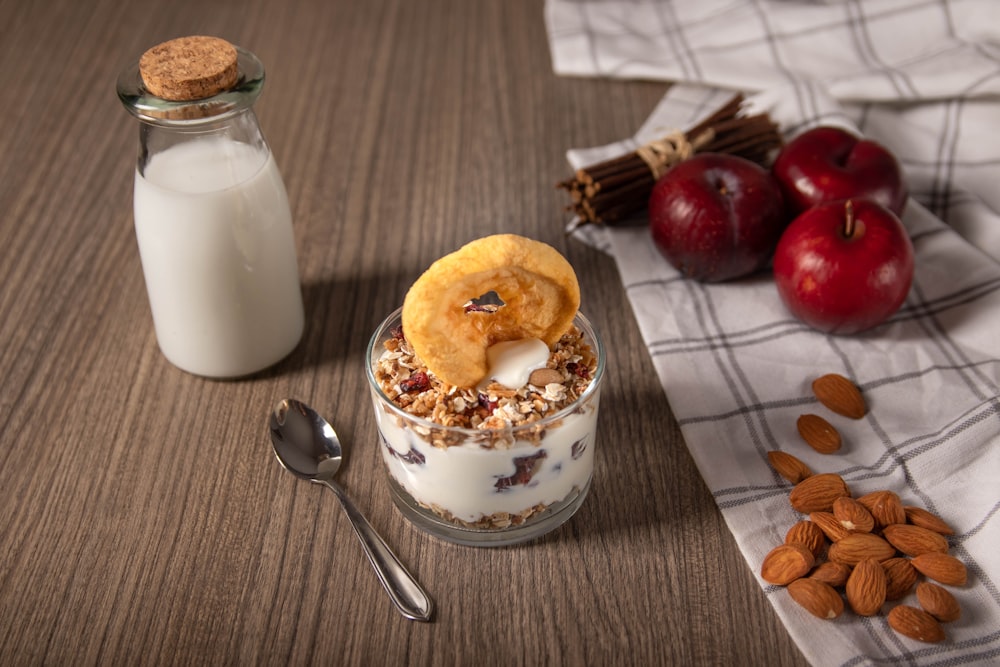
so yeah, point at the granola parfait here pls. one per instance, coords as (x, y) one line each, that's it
(486, 387)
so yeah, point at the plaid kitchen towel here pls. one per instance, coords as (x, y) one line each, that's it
(737, 367)
(872, 50)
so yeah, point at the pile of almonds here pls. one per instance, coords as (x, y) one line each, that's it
(872, 547)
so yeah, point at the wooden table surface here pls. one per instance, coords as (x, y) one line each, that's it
(144, 519)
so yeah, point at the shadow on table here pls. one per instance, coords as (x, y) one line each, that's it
(341, 316)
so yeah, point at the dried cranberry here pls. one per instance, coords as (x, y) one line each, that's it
(416, 382)
(413, 457)
(525, 468)
(578, 370)
(485, 402)
(397, 333)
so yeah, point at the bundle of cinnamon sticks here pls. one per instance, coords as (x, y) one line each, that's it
(618, 189)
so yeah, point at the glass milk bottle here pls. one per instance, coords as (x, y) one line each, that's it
(212, 219)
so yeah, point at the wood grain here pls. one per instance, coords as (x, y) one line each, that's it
(143, 518)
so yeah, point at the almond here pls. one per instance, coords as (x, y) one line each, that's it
(840, 395)
(921, 517)
(914, 540)
(885, 507)
(940, 567)
(786, 563)
(835, 574)
(852, 515)
(828, 523)
(818, 433)
(915, 624)
(938, 602)
(816, 597)
(788, 466)
(866, 588)
(543, 376)
(900, 575)
(808, 535)
(856, 547)
(816, 493)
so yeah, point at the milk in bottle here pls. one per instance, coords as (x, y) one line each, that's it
(212, 218)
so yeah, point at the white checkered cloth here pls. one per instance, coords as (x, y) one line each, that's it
(737, 367)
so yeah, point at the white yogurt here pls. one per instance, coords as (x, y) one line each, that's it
(218, 254)
(471, 482)
(511, 362)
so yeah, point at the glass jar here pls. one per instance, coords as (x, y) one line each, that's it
(487, 486)
(214, 228)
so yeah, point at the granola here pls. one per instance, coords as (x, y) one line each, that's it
(496, 520)
(408, 383)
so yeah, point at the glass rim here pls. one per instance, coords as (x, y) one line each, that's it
(590, 332)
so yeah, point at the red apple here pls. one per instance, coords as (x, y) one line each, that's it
(828, 164)
(843, 267)
(716, 217)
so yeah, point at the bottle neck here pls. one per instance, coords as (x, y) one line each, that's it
(240, 128)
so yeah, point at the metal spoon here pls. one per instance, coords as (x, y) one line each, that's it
(307, 446)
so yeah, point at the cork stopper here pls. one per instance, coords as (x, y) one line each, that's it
(189, 68)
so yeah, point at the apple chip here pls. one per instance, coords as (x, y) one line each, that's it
(498, 288)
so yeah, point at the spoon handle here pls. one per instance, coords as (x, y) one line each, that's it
(408, 596)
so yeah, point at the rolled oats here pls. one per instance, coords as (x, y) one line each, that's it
(407, 382)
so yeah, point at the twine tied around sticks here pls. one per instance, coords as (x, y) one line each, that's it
(617, 190)
(663, 153)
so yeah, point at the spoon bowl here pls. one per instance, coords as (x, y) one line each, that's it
(306, 445)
